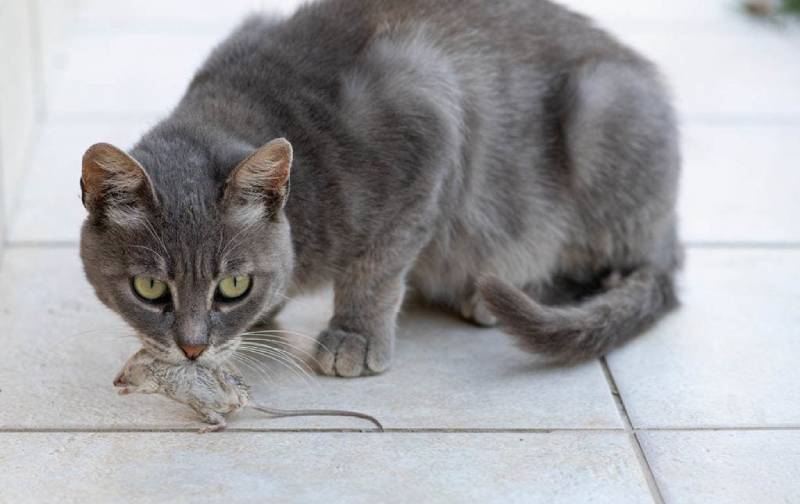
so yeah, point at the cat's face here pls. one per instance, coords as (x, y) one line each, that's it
(193, 272)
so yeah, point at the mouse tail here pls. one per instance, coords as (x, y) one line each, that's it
(278, 413)
(589, 329)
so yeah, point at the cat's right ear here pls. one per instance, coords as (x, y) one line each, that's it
(114, 185)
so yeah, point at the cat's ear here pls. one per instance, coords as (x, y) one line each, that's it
(114, 185)
(259, 186)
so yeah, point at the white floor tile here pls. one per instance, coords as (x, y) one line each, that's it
(49, 207)
(306, 467)
(740, 183)
(66, 349)
(728, 356)
(725, 466)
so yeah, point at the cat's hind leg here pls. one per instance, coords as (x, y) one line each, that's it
(473, 309)
(622, 146)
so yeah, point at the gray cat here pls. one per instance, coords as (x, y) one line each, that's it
(505, 159)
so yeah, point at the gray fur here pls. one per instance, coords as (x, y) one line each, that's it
(436, 143)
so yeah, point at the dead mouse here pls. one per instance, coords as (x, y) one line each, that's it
(213, 393)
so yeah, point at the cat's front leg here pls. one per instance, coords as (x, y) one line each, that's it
(360, 338)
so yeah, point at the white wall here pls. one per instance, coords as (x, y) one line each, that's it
(30, 32)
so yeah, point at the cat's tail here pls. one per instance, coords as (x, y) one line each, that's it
(571, 333)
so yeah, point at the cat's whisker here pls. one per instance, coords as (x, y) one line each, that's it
(279, 331)
(238, 239)
(106, 329)
(271, 358)
(276, 339)
(262, 342)
(157, 344)
(289, 354)
(288, 345)
(284, 296)
(276, 333)
(283, 359)
(254, 366)
(143, 247)
(274, 351)
(238, 360)
(228, 344)
(277, 361)
(151, 229)
(264, 336)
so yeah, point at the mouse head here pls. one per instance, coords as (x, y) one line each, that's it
(137, 376)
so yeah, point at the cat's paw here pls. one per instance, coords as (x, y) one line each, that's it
(348, 355)
(474, 309)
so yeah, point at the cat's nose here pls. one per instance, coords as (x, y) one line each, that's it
(193, 351)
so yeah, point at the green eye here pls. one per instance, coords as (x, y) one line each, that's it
(149, 288)
(233, 287)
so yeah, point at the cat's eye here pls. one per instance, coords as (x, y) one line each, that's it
(232, 288)
(150, 289)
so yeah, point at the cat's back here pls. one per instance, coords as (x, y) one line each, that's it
(338, 29)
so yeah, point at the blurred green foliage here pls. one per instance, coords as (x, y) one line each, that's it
(772, 8)
(791, 6)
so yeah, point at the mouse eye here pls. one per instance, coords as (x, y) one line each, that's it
(150, 289)
(233, 288)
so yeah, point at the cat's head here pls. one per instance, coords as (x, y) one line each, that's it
(188, 254)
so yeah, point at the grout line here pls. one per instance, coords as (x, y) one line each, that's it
(401, 430)
(647, 471)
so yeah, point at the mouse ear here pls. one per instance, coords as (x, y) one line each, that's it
(259, 186)
(115, 186)
(120, 380)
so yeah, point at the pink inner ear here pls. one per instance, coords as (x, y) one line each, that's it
(105, 168)
(267, 169)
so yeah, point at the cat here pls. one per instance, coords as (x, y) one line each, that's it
(507, 160)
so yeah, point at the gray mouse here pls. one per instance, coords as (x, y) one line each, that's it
(211, 392)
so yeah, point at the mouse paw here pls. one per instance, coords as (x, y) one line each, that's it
(215, 421)
(213, 428)
(348, 354)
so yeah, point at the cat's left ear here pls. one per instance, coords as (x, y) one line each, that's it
(259, 186)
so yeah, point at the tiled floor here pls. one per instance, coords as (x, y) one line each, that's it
(703, 408)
